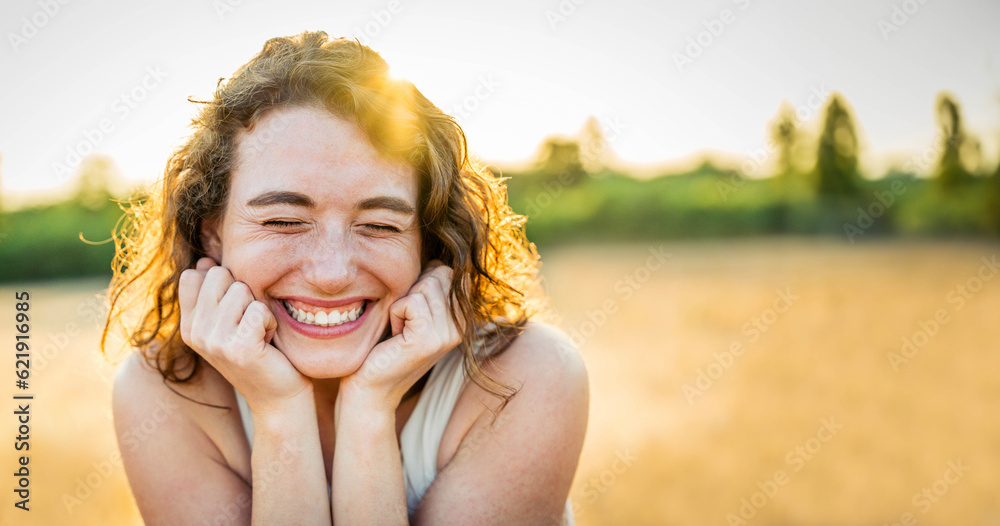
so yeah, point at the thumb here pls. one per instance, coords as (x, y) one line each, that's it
(258, 324)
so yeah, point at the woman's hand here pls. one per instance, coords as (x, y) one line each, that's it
(423, 331)
(223, 322)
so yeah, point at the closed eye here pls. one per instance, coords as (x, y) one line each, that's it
(279, 223)
(383, 228)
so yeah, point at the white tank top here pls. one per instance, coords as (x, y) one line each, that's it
(421, 436)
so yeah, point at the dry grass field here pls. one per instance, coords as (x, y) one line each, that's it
(754, 382)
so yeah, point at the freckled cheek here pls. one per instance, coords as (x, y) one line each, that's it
(396, 265)
(259, 265)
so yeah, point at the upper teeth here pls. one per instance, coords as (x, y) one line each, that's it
(324, 318)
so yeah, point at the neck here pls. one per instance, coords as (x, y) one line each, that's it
(325, 390)
(325, 393)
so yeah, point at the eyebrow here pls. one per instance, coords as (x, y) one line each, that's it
(282, 198)
(394, 204)
(388, 203)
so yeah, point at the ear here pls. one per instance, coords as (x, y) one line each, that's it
(210, 239)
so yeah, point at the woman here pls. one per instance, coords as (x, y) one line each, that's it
(323, 257)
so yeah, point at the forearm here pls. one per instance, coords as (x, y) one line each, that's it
(289, 479)
(367, 476)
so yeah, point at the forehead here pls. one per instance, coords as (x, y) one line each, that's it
(312, 151)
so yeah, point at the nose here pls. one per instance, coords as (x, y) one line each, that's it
(330, 263)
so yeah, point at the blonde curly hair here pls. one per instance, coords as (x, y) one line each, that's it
(465, 219)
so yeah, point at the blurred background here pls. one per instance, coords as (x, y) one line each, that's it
(771, 227)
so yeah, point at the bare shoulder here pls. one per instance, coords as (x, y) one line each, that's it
(140, 389)
(549, 346)
(151, 416)
(546, 365)
(182, 458)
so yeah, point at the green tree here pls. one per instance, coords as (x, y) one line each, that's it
(950, 172)
(991, 204)
(560, 158)
(785, 135)
(837, 155)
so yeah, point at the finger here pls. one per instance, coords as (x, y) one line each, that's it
(255, 323)
(205, 264)
(442, 309)
(232, 305)
(188, 287)
(430, 289)
(438, 277)
(216, 284)
(411, 311)
(441, 276)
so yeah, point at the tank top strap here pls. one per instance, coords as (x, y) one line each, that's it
(245, 416)
(420, 439)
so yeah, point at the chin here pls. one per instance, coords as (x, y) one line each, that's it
(322, 366)
(322, 359)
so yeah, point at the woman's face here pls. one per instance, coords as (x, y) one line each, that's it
(319, 225)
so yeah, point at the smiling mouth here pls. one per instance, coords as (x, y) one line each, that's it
(326, 318)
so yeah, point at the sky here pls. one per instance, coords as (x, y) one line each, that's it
(669, 81)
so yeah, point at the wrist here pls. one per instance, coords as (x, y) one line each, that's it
(366, 397)
(280, 412)
(362, 409)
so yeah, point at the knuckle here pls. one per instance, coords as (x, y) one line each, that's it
(197, 342)
(240, 290)
(217, 273)
(187, 279)
(254, 313)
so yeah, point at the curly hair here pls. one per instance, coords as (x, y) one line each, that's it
(465, 219)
